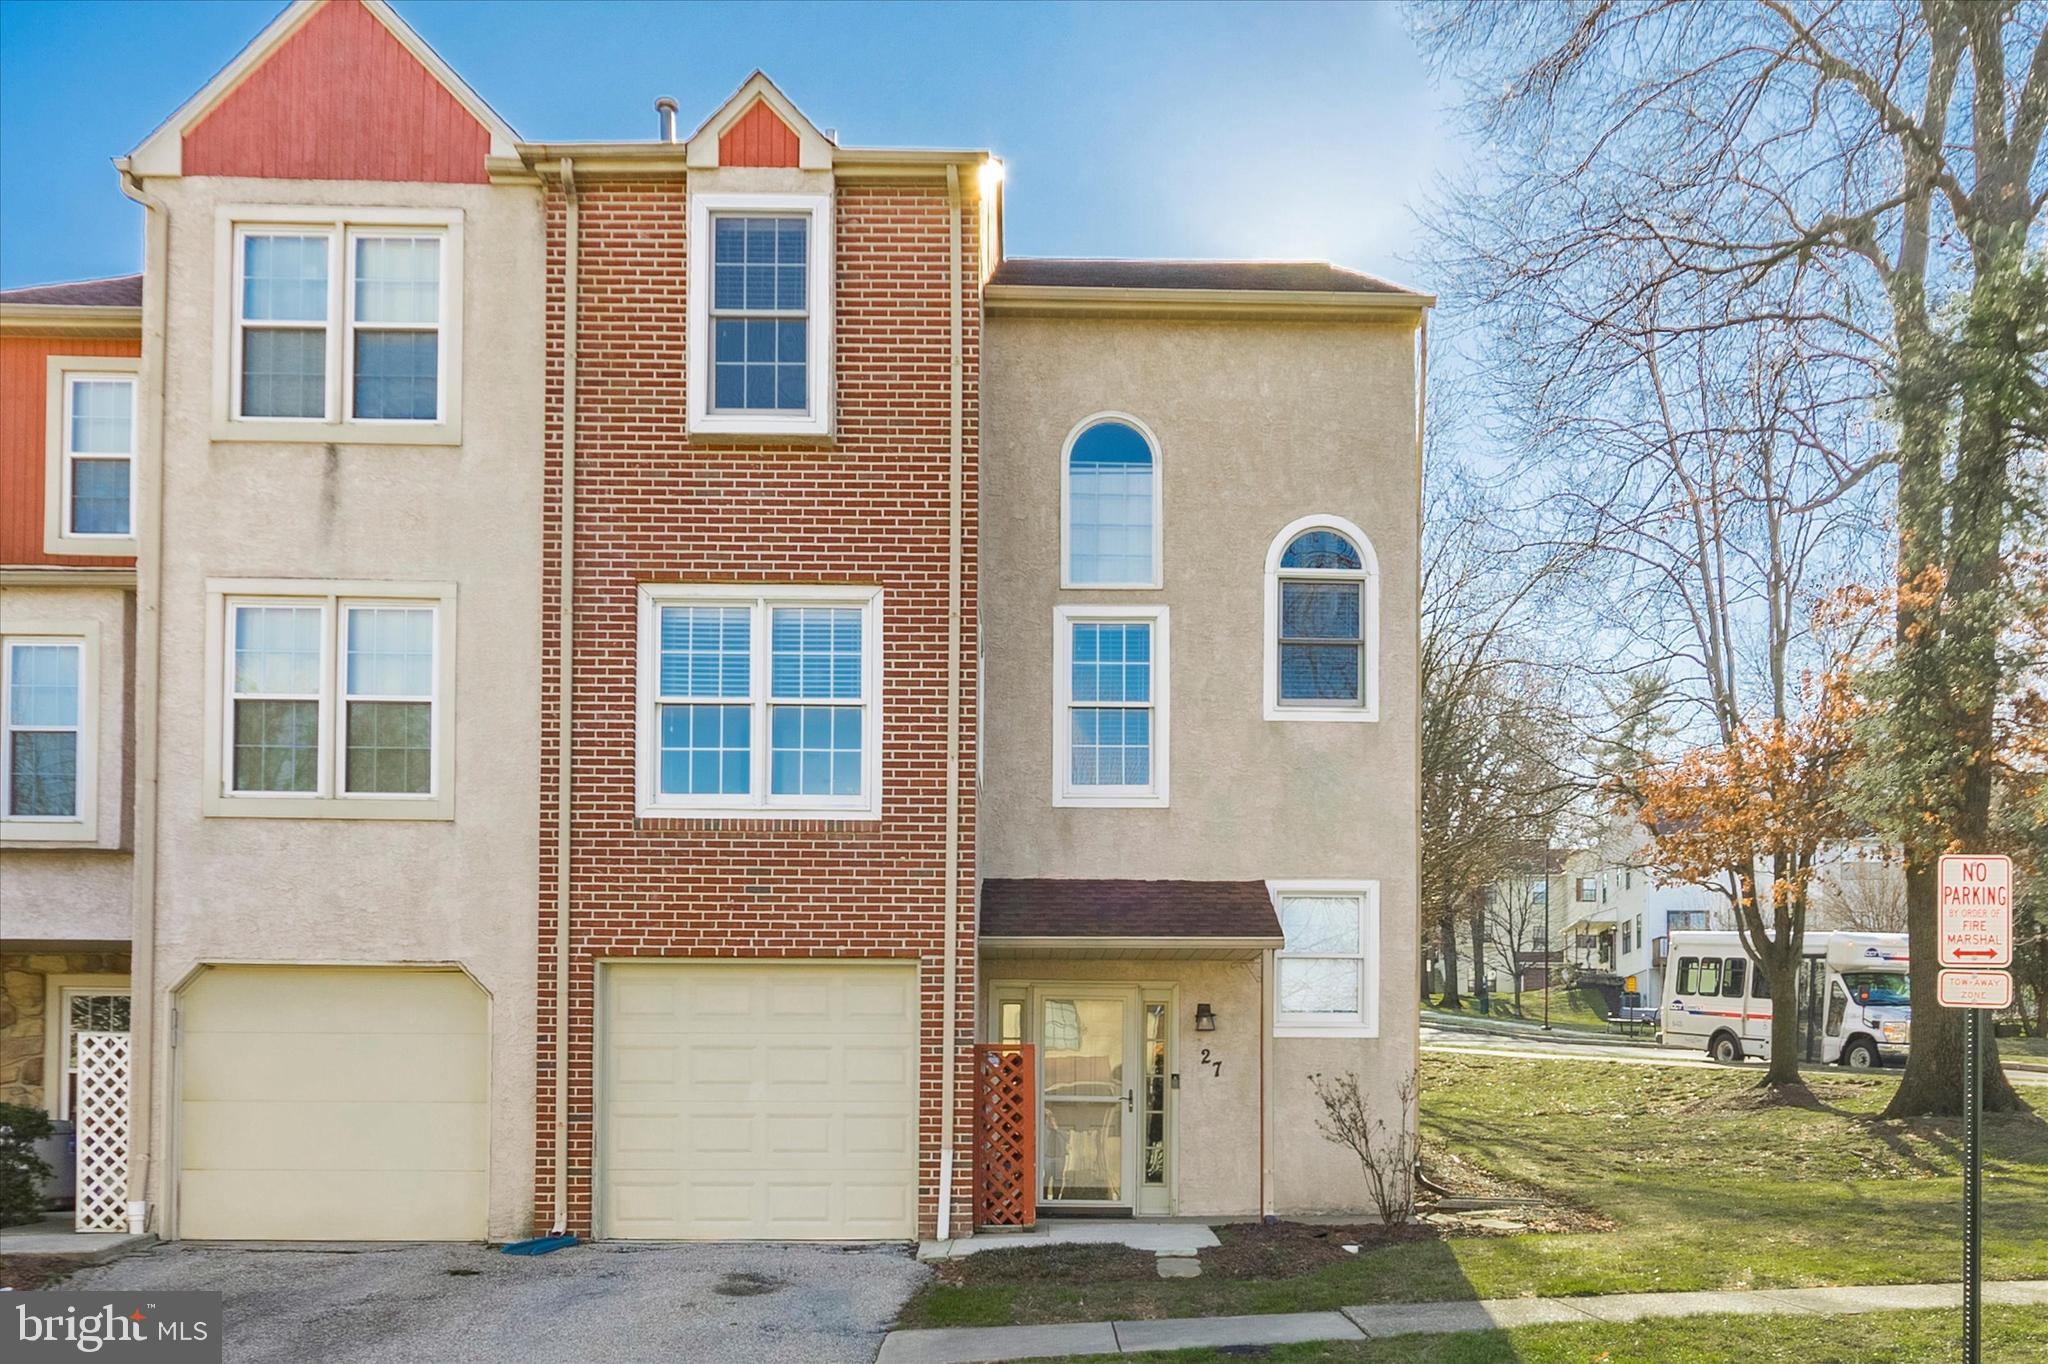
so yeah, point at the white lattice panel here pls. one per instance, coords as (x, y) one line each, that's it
(101, 1120)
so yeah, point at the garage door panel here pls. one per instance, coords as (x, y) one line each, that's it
(752, 1100)
(336, 1067)
(333, 1104)
(335, 999)
(344, 1205)
(315, 1137)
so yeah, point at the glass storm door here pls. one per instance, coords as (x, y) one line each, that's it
(1087, 1097)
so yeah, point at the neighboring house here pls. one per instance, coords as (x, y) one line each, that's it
(1621, 915)
(68, 421)
(703, 583)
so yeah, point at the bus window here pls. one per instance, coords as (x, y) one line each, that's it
(1688, 975)
(1710, 976)
(1759, 982)
(1838, 1004)
(1731, 979)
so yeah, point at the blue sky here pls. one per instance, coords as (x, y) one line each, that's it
(1130, 129)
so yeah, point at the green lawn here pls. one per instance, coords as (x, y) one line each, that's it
(2010, 1333)
(2023, 1048)
(1706, 1189)
(1568, 1009)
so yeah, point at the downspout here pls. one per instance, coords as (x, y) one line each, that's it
(949, 1027)
(149, 561)
(1266, 964)
(565, 717)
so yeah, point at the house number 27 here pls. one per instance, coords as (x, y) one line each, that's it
(1215, 1066)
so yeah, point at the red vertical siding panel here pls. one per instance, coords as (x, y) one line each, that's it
(24, 391)
(758, 138)
(340, 99)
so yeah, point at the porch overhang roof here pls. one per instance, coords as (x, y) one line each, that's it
(1186, 920)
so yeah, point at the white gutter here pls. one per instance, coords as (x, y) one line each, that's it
(564, 695)
(949, 1028)
(149, 562)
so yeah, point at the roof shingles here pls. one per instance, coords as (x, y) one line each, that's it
(1058, 908)
(1289, 276)
(117, 291)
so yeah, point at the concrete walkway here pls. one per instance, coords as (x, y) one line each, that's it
(1172, 1239)
(56, 1235)
(1423, 1318)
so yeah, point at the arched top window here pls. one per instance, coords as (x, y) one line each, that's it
(1110, 507)
(1322, 623)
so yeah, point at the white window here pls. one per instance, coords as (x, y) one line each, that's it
(1110, 525)
(1110, 705)
(47, 751)
(333, 700)
(341, 326)
(90, 467)
(1326, 980)
(760, 308)
(1322, 623)
(760, 702)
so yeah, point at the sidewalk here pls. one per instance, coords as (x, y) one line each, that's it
(1423, 1318)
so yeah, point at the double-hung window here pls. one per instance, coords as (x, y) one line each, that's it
(333, 703)
(1326, 977)
(1110, 707)
(1322, 623)
(760, 702)
(90, 465)
(341, 325)
(45, 703)
(760, 314)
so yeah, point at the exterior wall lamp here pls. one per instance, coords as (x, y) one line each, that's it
(1205, 1018)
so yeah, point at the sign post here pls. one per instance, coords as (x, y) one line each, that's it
(1975, 943)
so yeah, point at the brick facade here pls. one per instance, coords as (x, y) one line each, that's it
(868, 506)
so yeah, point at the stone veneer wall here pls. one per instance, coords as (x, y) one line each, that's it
(23, 1001)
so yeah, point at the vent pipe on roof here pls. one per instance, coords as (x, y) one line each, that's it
(666, 107)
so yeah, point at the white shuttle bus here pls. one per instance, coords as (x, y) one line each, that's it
(1854, 999)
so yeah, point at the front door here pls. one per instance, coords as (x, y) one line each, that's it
(1088, 1087)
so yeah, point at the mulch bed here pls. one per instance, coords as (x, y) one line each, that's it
(25, 1272)
(1281, 1250)
(1052, 1264)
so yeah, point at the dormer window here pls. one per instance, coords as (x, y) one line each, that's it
(760, 353)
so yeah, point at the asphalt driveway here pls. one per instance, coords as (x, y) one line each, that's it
(451, 1304)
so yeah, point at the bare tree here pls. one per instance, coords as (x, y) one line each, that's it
(1515, 922)
(1859, 184)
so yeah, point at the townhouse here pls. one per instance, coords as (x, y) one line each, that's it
(681, 692)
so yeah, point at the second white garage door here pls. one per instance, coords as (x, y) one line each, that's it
(759, 1101)
(333, 1104)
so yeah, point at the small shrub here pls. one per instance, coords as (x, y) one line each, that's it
(1387, 1155)
(22, 1171)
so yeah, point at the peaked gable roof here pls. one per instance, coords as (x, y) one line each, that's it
(813, 148)
(163, 151)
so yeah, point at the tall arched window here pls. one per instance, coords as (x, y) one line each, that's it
(1110, 510)
(1322, 623)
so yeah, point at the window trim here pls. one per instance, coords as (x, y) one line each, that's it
(83, 826)
(1067, 506)
(1368, 707)
(1064, 793)
(816, 418)
(327, 800)
(341, 226)
(759, 803)
(61, 370)
(1366, 1022)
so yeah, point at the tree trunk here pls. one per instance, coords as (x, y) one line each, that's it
(1782, 969)
(1447, 939)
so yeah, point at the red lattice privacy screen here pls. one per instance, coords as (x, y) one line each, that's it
(1005, 1137)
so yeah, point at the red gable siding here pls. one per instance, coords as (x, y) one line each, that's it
(340, 99)
(24, 389)
(757, 138)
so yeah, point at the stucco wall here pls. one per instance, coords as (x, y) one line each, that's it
(340, 891)
(1259, 424)
(79, 892)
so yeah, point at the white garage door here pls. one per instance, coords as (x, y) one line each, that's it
(332, 1104)
(760, 1101)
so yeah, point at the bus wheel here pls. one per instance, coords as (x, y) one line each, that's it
(1725, 1049)
(1860, 1055)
